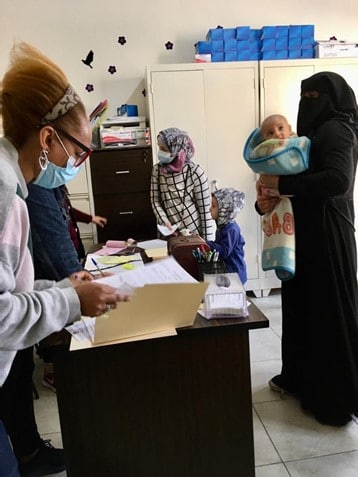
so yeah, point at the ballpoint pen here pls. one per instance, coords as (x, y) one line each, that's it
(96, 265)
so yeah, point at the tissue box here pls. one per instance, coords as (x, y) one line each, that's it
(225, 296)
(268, 44)
(217, 46)
(307, 53)
(230, 56)
(242, 33)
(295, 54)
(230, 45)
(217, 57)
(336, 49)
(229, 34)
(268, 32)
(202, 58)
(215, 34)
(203, 47)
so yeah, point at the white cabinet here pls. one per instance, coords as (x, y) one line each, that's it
(217, 104)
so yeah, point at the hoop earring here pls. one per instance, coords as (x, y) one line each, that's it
(43, 159)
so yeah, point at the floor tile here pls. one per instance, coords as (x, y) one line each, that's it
(276, 470)
(261, 373)
(264, 345)
(265, 452)
(296, 435)
(344, 465)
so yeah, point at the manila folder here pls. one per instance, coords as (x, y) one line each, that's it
(152, 308)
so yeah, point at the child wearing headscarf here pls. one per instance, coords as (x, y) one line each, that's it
(229, 243)
(179, 191)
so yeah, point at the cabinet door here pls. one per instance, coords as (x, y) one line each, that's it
(118, 171)
(281, 87)
(231, 102)
(129, 215)
(176, 99)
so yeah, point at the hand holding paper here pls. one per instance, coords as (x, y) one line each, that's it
(165, 231)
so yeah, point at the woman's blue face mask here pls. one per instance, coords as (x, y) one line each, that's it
(52, 176)
(165, 157)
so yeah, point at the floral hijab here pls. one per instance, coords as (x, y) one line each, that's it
(230, 202)
(180, 145)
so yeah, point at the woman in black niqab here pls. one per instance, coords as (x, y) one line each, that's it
(320, 304)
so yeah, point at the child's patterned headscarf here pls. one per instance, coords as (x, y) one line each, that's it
(179, 143)
(230, 202)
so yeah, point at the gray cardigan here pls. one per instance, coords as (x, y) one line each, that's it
(29, 311)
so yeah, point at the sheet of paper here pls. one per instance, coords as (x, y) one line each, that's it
(113, 264)
(166, 270)
(166, 231)
(82, 330)
(109, 250)
(155, 243)
(156, 253)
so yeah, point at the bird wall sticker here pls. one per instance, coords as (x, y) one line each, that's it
(89, 59)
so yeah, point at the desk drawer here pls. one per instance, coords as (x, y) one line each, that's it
(121, 171)
(129, 215)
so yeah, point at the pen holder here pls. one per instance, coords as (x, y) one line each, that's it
(210, 268)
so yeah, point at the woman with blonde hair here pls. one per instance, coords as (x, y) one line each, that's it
(46, 136)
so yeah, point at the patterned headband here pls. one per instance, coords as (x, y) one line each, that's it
(63, 105)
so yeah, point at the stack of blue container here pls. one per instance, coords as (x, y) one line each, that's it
(243, 43)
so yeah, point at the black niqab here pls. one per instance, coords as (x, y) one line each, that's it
(336, 100)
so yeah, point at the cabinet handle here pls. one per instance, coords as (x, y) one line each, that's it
(122, 172)
(127, 212)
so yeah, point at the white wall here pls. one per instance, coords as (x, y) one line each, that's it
(66, 30)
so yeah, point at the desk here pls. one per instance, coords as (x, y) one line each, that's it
(178, 406)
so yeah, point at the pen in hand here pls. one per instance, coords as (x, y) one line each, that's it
(97, 267)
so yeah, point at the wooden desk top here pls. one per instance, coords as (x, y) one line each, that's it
(255, 320)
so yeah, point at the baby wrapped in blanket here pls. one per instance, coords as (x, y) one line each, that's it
(273, 149)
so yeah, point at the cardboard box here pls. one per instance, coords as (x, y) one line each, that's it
(215, 34)
(336, 49)
(230, 56)
(203, 47)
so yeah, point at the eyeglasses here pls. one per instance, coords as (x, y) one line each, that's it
(81, 156)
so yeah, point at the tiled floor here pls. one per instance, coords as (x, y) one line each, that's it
(287, 441)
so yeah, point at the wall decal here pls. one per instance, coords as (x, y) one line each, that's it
(169, 45)
(112, 69)
(122, 40)
(89, 59)
(89, 88)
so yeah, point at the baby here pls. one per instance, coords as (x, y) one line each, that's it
(275, 127)
(274, 150)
